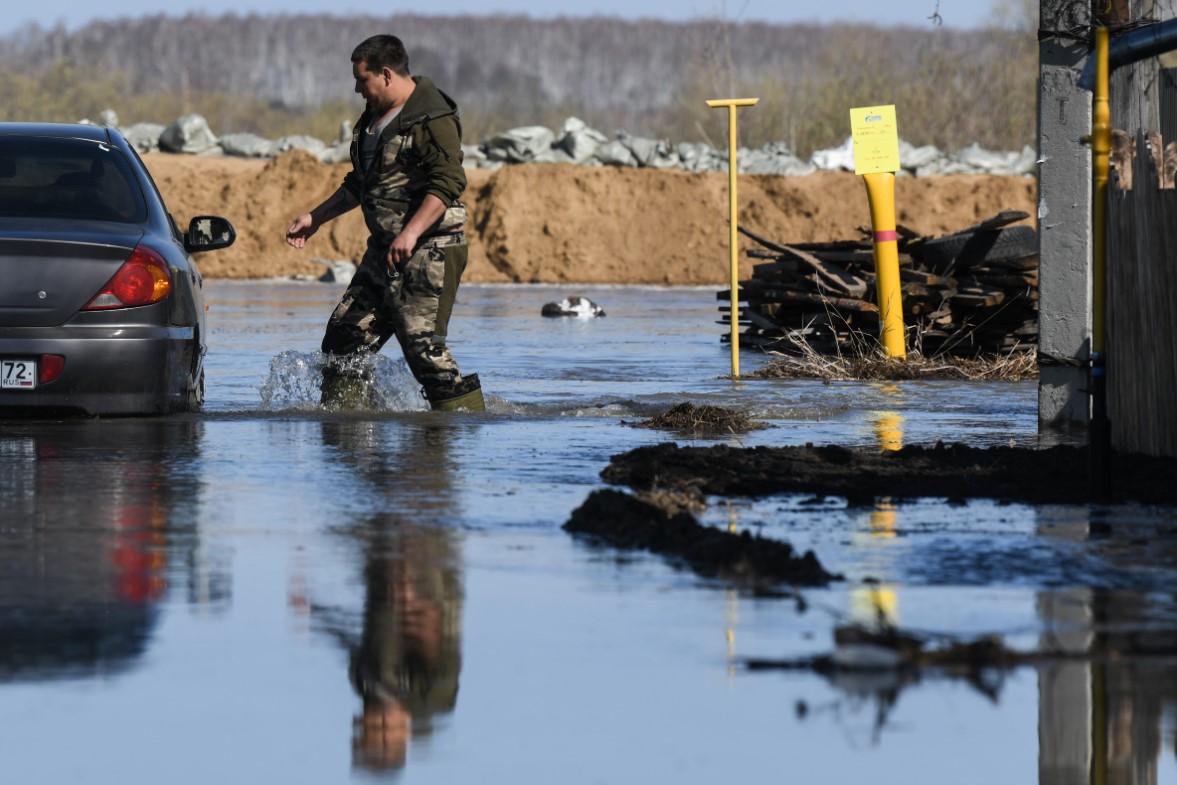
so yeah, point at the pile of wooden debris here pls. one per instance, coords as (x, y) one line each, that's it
(970, 293)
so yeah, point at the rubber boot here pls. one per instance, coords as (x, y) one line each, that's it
(466, 395)
(345, 392)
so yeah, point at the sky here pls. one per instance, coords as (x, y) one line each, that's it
(954, 13)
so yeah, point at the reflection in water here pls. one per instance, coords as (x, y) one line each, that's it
(406, 658)
(1106, 661)
(889, 424)
(889, 430)
(1101, 718)
(875, 605)
(1064, 695)
(406, 664)
(89, 512)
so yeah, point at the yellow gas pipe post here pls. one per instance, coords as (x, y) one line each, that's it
(731, 104)
(880, 191)
(1099, 430)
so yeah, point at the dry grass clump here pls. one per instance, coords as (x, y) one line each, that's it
(688, 418)
(686, 497)
(1017, 366)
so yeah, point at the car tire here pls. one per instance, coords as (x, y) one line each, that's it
(965, 249)
(194, 399)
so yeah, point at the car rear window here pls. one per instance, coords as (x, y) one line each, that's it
(67, 178)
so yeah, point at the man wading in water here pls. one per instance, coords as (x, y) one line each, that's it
(406, 154)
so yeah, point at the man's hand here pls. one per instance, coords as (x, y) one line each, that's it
(402, 247)
(303, 227)
(307, 224)
(405, 244)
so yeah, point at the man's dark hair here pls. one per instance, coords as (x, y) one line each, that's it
(382, 51)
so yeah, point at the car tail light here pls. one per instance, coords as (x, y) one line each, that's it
(51, 366)
(142, 280)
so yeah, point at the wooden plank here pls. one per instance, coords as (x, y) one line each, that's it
(844, 303)
(762, 240)
(978, 300)
(980, 289)
(1024, 263)
(776, 268)
(755, 288)
(836, 245)
(763, 322)
(864, 258)
(1012, 281)
(830, 273)
(1027, 329)
(926, 278)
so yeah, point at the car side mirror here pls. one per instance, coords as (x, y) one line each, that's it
(208, 233)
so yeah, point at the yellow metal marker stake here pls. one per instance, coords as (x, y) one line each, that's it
(731, 104)
(876, 158)
(880, 190)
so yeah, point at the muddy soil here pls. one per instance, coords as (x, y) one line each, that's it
(547, 223)
(625, 522)
(951, 471)
(688, 419)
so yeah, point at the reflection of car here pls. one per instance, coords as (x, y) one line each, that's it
(83, 574)
(101, 306)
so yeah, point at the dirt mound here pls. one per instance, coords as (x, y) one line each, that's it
(953, 471)
(623, 521)
(564, 224)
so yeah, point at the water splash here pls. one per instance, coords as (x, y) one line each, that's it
(294, 378)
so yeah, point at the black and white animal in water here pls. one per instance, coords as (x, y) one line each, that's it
(581, 307)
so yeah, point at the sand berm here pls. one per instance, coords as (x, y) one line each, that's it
(555, 223)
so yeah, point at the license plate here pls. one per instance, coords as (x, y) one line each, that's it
(18, 374)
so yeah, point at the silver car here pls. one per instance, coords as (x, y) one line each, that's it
(101, 306)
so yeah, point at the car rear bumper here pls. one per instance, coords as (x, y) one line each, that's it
(108, 369)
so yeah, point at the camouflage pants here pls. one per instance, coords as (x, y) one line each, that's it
(413, 303)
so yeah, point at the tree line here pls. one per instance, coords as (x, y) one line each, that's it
(287, 74)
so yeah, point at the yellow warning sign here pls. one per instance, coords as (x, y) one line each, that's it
(876, 139)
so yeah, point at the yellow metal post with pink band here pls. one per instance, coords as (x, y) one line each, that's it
(876, 157)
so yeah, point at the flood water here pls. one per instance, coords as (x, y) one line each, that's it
(267, 592)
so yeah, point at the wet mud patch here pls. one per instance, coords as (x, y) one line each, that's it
(623, 521)
(687, 418)
(952, 471)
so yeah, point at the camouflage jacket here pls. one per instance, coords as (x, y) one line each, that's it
(419, 153)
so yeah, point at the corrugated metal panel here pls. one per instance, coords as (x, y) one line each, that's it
(1168, 96)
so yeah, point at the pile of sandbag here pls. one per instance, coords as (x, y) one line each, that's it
(577, 143)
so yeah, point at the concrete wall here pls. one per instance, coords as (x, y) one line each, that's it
(1064, 216)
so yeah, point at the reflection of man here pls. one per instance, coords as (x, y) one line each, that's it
(407, 176)
(406, 665)
(406, 659)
